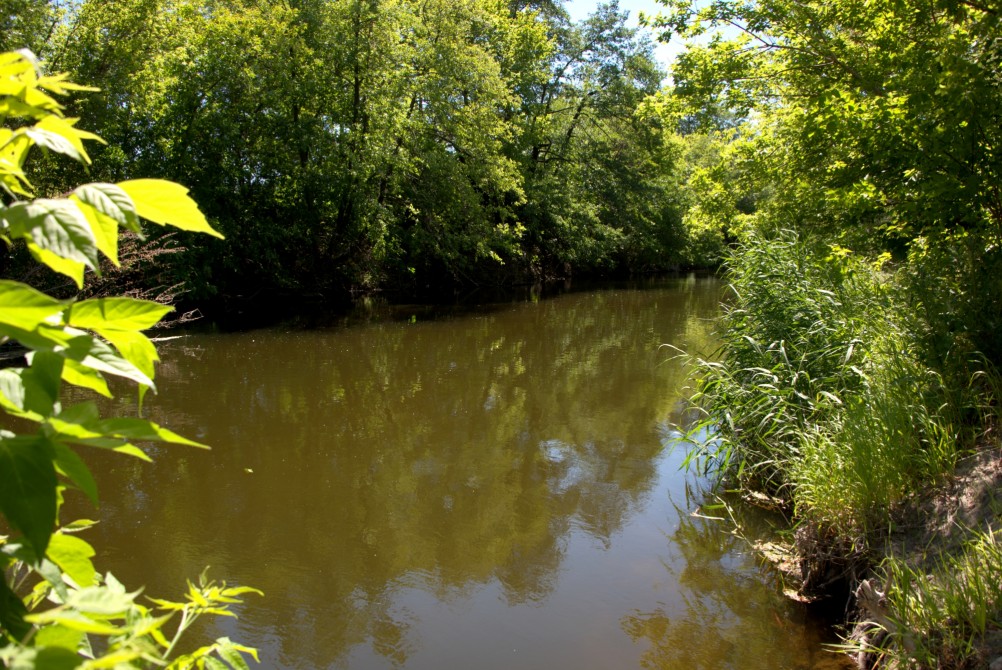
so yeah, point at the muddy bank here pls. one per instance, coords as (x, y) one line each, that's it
(928, 534)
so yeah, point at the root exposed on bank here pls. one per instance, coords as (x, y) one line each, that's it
(932, 532)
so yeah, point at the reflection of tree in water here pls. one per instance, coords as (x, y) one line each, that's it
(353, 465)
(730, 615)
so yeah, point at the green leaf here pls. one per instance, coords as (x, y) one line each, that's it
(65, 128)
(49, 139)
(74, 621)
(56, 225)
(46, 658)
(12, 613)
(111, 201)
(71, 466)
(42, 381)
(64, 266)
(79, 375)
(134, 451)
(135, 347)
(213, 663)
(104, 228)
(141, 429)
(11, 390)
(42, 338)
(101, 600)
(165, 202)
(116, 314)
(28, 488)
(95, 354)
(23, 307)
(73, 556)
(58, 636)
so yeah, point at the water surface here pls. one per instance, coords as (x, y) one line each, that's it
(484, 490)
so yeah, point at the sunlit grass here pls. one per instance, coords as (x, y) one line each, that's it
(938, 619)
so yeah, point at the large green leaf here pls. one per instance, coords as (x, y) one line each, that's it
(12, 612)
(23, 307)
(28, 488)
(54, 141)
(66, 128)
(141, 429)
(73, 556)
(116, 314)
(111, 201)
(42, 338)
(135, 347)
(42, 382)
(57, 225)
(71, 466)
(84, 377)
(95, 354)
(167, 203)
(64, 266)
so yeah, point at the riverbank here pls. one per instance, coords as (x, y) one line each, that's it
(835, 397)
(895, 598)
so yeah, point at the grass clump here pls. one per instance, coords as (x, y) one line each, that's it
(836, 391)
(819, 395)
(942, 619)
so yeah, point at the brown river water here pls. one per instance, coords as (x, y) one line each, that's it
(488, 488)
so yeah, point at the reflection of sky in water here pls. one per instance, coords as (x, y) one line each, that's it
(491, 491)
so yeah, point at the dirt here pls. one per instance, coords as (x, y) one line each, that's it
(927, 527)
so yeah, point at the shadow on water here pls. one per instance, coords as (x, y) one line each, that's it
(486, 489)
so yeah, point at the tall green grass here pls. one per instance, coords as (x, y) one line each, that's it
(940, 619)
(847, 391)
(818, 394)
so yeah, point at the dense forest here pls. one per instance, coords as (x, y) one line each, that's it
(349, 146)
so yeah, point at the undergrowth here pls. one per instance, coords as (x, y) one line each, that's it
(940, 620)
(832, 392)
(817, 395)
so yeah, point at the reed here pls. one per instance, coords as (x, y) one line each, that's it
(939, 620)
(819, 393)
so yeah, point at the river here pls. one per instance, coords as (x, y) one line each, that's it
(481, 488)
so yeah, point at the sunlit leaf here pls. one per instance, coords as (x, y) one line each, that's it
(64, 266)
(24, 307)
(116, 314)
(54, 224)
(110, 201)
(135, 347)
(74, 621)
(105, 230)
(66, 128)
(167, 203)
(101, 600)
(93, 353)
(73, 556)
(59, 636)
(141, 429)
(84, 377)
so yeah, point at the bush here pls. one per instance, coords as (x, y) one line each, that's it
(819, 394)
(56, 610)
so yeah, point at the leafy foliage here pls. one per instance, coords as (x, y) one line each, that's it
(383, 142)
(81, 343)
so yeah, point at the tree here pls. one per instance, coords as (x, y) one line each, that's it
(875, 127)
(81, 343)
